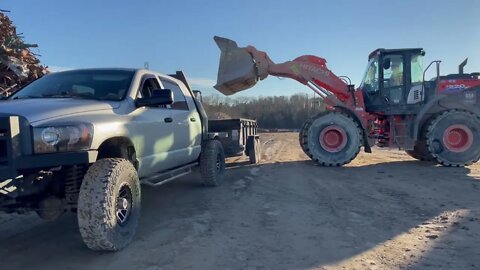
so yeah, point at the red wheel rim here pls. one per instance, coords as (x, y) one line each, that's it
(457, 138)
(333, 138)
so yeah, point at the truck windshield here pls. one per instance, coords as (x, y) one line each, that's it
(89, 84)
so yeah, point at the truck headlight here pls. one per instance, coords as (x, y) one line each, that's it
(62, 138)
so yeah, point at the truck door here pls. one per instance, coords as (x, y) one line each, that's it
(187, 126)
(152, 134)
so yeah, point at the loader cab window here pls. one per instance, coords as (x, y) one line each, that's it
(393, 71)
(370, 79)
(393, 79)
(417, 69)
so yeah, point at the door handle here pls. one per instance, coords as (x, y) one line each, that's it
(168, 120)
(193, 119)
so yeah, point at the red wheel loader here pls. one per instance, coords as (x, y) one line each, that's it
(394, 106)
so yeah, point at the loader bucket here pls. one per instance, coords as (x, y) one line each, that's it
(236, 70)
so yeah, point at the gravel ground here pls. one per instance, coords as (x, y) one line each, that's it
(382, 211)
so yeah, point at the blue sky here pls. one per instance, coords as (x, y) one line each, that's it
(178, 35)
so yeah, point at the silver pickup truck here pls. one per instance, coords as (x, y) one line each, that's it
(84, 141)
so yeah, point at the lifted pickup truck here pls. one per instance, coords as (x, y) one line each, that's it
(84, 141)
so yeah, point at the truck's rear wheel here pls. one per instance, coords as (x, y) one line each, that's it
(331, 139)
(452, 138)
(109, 204)
(212, 163)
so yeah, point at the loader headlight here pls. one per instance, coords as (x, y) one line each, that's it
(62, 138)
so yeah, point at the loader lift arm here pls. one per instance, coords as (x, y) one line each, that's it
(236, 73)
(241, 68)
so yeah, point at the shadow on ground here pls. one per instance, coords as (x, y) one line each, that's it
(293, 215)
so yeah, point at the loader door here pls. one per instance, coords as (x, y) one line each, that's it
(386, 82)
(393, 80)
(370, 87)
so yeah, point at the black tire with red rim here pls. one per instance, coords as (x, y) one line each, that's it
(331, 139)
(452, 138)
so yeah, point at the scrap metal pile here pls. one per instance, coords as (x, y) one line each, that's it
(18, 64)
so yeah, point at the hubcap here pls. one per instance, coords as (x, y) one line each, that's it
(458, 138)
(124, 205)
(333, 138)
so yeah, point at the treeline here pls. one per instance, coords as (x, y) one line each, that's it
(284, 112)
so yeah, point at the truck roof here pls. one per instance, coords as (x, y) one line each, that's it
(179, 75)
(92, 69)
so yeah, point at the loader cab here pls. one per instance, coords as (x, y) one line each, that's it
(393, 81)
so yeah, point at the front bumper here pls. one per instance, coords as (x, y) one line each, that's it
(12, 176)
(16, 157)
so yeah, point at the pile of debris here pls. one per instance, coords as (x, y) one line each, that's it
(18, 64)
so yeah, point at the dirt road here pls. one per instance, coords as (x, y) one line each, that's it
(382, 211)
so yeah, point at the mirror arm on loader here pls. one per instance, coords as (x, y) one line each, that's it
(437, 62)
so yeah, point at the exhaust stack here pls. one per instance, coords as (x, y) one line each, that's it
(462, 65)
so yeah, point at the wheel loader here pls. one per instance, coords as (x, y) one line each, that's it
(394, 106)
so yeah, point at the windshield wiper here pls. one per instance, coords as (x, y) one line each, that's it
(56, 96)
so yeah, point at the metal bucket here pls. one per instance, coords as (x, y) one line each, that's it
(236, 70)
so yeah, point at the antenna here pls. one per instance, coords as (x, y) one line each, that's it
(146, 65)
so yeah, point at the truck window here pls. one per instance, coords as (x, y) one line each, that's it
(148, 85)
(179, 101)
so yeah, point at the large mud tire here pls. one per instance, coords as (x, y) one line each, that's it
(453, 138)
(109, 204)
(331, 139)
(212, 163)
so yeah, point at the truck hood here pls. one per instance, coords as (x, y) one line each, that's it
(38, 109)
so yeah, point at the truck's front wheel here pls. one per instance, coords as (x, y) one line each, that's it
(109, 204)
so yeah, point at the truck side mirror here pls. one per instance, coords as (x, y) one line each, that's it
(198, 95)
(159, 97)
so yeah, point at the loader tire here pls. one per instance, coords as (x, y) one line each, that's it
(332, 139)
(304, 131)
(452, 138)
(420, 149)
(302, 134)
(109, 204)
(212, 163)
(420, 152)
